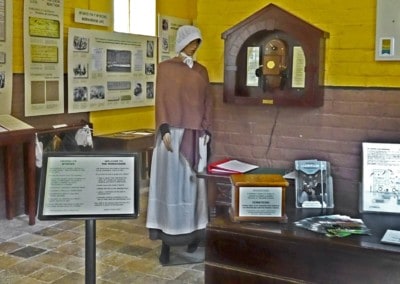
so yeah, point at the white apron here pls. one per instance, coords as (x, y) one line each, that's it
(177, 198)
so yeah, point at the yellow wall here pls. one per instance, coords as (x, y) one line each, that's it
(177, 8)
(350, 50)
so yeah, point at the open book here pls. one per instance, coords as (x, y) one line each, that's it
(9, 122)
(230, 166)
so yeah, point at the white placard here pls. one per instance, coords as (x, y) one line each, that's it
(92, 17)
(260, 202)
(391, 237)
(88, 186)
(381, 177)
(298, 71)
(253, 63)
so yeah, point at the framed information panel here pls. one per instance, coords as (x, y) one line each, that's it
(89, 186)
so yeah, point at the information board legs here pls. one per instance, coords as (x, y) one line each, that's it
(90, 252)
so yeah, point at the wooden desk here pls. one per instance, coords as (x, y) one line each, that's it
(272, 252)
(10, 140)
(138, 140)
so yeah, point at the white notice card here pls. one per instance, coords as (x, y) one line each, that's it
(391, 237)
(237, 166)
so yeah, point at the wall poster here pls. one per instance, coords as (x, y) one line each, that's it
(168, 26)
(387, 33)
(43, 57)
(381, 177)
(6, 55)
(109, 70)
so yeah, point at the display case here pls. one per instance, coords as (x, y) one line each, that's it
(314, 184)
(274, 57)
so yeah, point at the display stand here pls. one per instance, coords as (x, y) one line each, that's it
(89, 186)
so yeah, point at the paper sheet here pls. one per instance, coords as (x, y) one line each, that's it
(391, 237)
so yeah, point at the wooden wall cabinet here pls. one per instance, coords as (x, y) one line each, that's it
(274, 57)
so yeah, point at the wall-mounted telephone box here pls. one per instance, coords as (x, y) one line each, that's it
(274, 57)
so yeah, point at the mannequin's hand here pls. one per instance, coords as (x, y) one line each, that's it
(206, 139)
(167, 141)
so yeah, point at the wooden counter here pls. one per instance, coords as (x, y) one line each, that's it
(271, 252)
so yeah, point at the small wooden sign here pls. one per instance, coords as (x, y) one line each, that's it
(258, 197)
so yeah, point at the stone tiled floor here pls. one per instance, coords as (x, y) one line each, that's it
(54, 252)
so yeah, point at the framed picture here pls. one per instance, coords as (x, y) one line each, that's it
(380, 188)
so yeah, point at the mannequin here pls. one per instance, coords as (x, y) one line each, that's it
(177, 209)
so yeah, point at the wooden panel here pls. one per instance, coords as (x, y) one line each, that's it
(283, 251)
(215, 274)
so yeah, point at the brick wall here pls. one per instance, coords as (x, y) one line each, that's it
(272, 136)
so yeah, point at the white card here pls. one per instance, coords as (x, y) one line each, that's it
(391, 237)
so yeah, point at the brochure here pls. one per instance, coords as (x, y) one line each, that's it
(334, 225)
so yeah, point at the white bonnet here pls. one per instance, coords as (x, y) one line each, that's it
(185, 35)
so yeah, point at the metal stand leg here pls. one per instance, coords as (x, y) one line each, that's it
(90, 252)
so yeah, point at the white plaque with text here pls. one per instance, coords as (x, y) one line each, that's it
(381, 177)
(260, 201)
(88, 186)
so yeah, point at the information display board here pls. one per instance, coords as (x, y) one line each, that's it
(89, 186)
(110, 70)
(381, 178)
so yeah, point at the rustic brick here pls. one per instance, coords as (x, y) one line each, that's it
(272, 136)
